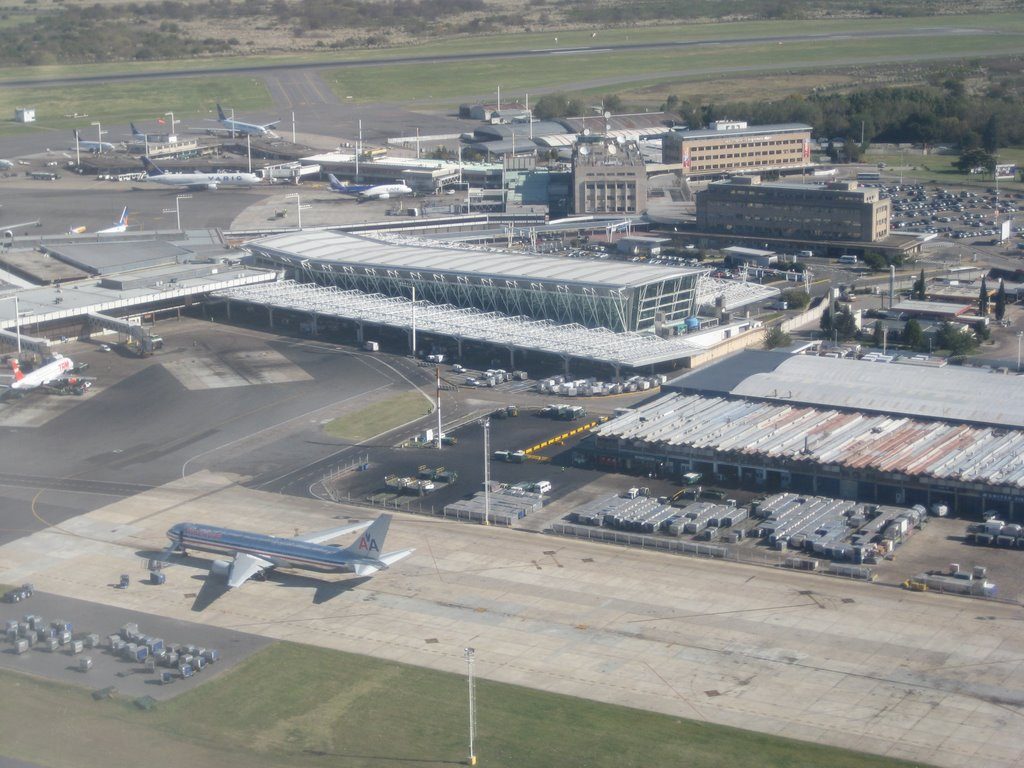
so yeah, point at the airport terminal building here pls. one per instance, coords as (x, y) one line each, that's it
(837, 211)
(884, 433)
(735, 147)
(594, 294)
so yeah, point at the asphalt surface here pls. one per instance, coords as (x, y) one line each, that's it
(140, 427)
(130, 679)
(75, 201)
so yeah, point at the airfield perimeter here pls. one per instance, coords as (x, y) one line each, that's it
(921, 677)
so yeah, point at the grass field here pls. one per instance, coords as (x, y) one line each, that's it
(379, 417)
(940, 168)
(191, 99)
(603, 72)
(444, 84)
(1003, 23)
(309, 707)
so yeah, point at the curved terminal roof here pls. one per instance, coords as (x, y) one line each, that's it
(341, 250)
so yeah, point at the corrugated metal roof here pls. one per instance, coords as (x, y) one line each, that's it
(493, 264)
(809, 435)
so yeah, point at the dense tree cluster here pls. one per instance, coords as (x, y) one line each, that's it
(604, 12)
(926, 114)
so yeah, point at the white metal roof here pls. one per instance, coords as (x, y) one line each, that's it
(802, 434)
(573, 341)
(733, 293)
(345, 249)
(951, 392)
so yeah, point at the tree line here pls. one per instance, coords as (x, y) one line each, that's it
(924, 114)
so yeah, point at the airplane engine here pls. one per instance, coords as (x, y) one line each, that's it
(221, 568)
(385, 196)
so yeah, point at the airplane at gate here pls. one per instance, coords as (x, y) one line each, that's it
(198, 180)
(91, 146)
(256, 553)
(368, 191)
(56, 376)
(237, 126)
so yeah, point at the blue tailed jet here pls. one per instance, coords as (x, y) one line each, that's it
(255, 554)
(237, 126)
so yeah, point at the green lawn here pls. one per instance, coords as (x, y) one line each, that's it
(940, 168)
(1004, 23)
(604, 72)
(379, 417)
(309, 707)
(191, 99)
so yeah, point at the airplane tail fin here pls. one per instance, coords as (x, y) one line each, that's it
(335, 184)
(371, 543)
(135, 131)
(16, 370)
(220, 113)
(151, 168)
(124, 216)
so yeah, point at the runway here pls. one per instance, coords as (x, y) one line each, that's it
(554, 53)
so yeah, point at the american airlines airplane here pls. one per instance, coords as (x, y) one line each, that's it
(91, 146)
(255, 554)
(199, 180)
(369, 192)
(237, 126)
(120, 226)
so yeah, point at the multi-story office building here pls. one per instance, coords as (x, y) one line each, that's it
(735, 147)
(608, 176)
(838, 211)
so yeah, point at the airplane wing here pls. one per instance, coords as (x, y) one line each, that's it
(319, 537)
(244, 568)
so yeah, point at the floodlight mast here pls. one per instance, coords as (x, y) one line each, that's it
(470, 655)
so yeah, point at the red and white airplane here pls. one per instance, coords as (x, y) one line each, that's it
(55, 375)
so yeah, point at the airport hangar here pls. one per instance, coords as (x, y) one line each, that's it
(570, 309)
(885, 433)
(124, 281)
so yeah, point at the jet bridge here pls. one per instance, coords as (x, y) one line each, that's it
(140, 339)
(9, 343)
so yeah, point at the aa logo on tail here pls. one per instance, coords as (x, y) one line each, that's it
(368, 544)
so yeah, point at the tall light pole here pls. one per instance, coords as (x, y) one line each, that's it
(1020, 335)
(486, 424)
(413, 286)
(171, 115)
(298, 206)
(99, 132)
(293, 126)
(177, 208)
(78, 152)
(470, 656)
(248, 151)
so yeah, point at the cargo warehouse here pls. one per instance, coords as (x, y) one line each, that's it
(844, 428)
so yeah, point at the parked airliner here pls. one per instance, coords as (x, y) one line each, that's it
(237, 126)
(199, 180)
(256, 553)
(369, 192)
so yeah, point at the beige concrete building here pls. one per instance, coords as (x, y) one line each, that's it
(608, 177)
(838, 211)
(734, 147)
